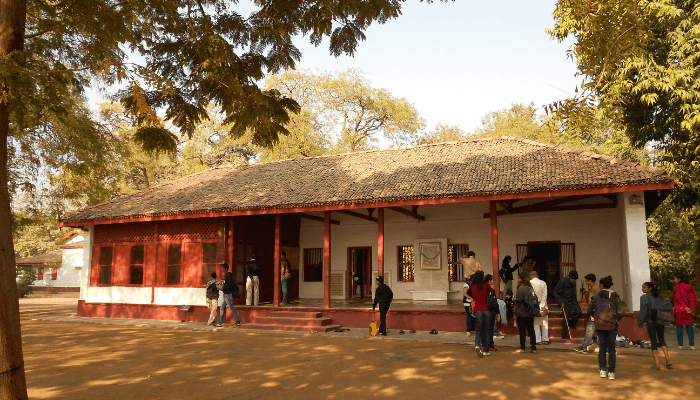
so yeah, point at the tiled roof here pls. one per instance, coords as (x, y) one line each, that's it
(502, 165)
(52, 257)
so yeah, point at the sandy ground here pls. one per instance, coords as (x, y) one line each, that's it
(71, 360)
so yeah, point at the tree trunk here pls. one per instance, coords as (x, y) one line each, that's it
(12, 381)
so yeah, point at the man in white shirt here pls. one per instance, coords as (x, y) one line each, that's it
(541, 323)
(471, 264)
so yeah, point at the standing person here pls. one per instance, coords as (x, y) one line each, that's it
(506, 272)
(286, 275)
(470, 263)
(684, 302)
(565, 296)
(213, 287)
(230, 290)
(606, 307)
(382, 296)
(654, 327)
(525, 319)
(592, 289)
(541, 323)
(468, 304)
(484, 325)
(528, 265)
(252, 284)
(493, 317)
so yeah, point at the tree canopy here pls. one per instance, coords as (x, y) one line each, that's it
(640, 62)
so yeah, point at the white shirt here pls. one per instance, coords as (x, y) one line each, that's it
(540, 288)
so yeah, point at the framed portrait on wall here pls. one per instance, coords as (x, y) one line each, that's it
(430, 256)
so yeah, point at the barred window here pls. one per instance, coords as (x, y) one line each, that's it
(105, 266)
(174, 264)
(136, 266)
(313, 265)
(405, 264)
(456, 269)
(208, 261)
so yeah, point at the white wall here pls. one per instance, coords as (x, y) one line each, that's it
(635, 249)
(142, 295)
(89, 236)
(595, 234)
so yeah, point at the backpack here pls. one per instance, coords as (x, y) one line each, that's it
(662, 312)
(235, 290)
(532, 304)
(212, 291)
(491, 301)
(605, 314)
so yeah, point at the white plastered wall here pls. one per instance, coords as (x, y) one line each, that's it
(595, 234)
(88, 240)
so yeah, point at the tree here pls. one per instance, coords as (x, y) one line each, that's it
(442, 133)
(640, 62)
(194, 52)
(343, 112)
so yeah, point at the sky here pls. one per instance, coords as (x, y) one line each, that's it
(458, 61)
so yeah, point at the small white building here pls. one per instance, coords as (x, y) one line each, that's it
(58, 269)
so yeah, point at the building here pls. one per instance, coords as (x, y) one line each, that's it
(58, 269)
(407, 214)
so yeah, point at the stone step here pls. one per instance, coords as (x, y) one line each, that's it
(296, 328)
(286, 320)
(295, 314)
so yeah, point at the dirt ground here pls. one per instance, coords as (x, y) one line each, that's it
(66, 360)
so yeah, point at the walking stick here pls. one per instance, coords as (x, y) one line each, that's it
(566, 320)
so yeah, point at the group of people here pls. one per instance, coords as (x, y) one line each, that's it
(230, 291)
(605, 309)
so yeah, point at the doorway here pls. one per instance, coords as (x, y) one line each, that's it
(546, 256)
(360, 267)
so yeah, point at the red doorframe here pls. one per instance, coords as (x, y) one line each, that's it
(327, 260)
(380, 242)
(366, 273)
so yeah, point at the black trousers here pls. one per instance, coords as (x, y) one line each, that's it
(383, 308)
(527, 323)
(573, 313)
(656, 335)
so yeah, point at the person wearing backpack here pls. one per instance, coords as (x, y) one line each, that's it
(525, 300)
(606, 307)
(230, 292)
(684, 302)
(479, 292)
(655, 328)
(213, 287)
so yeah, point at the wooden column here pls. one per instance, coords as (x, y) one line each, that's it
(494, 249)
(327, 260)
(231, 254)
(380, 243)
(278, 255)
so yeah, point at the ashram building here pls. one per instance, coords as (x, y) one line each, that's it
(57, 270)
(408, 214)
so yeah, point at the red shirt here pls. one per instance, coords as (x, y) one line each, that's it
(479, 297)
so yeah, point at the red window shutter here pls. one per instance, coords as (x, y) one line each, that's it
(120, 271)
(54, 274)
(567, 261)
(149, 265)
(95, 267)
(192, 264)
(40, 274)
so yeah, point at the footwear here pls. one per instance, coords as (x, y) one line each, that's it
(603, 374)
(469, 333)
(533, 351)
(218, 325)
(580, 350)
(680, 347)
(611, 375)
(382, 334)
(669, 366)
(692, 347)
(654, 367)
(412, 331)
(479, 353)
(238, 323)
(520, 351)
(546, 343)
(493, 349)
(488, 353)
(401, 332)
(433, 332)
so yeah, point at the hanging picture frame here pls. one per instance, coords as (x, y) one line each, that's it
(430, 256)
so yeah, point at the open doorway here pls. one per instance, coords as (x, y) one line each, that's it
(360, 267)
(546, 256)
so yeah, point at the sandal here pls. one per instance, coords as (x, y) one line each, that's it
(433, 332)
(520, 351)
(669, 365)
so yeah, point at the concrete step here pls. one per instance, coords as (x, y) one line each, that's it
(296, 314)
(285, 320)
(296, 328)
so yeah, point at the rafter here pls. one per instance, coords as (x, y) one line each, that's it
(315, 218)
(554, 205)
(412, 214)
(358, 215)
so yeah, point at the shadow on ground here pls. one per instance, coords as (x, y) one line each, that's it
(87, 361)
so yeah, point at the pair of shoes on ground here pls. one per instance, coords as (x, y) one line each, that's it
(681, 347)
(433, 332)
(522, 351)
(546, 343)
(605, 374)
(479, 353)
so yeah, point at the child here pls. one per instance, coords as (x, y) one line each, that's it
(213, 287)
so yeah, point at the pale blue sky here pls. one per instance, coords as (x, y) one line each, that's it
(458, 61)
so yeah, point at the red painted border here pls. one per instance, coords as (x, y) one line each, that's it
(376, 204)
(422, 320)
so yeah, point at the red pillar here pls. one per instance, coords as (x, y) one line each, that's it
(278, 255)
(327, 260)
(380, 243)
(494, 249)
